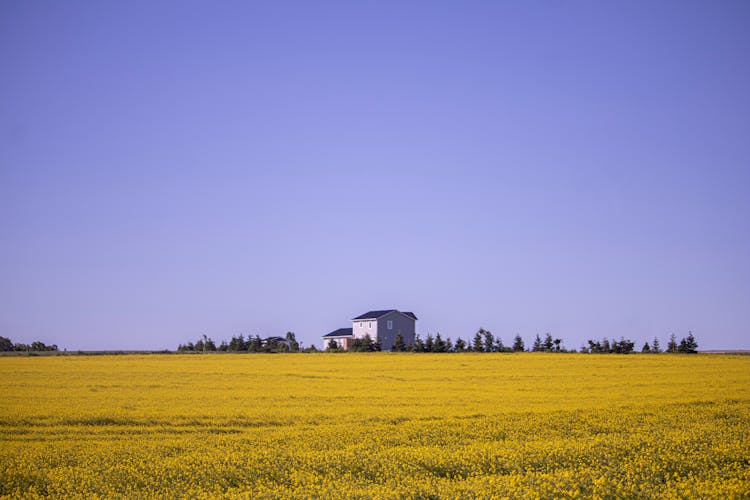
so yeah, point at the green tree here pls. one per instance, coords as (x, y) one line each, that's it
(332, 345)
(291, 339)
(418, 345)
(439, 345)
(38, 346)
(624, 346)
(237, 344)
(478, 343)
(365, 344)
(489, 340)
(538, 346)
(460, 345)
(518, 343)
(5, 344)
(646, 348)
(429, 343)
(688, 345)
(655, 347)
(498, 346)
(548, 343)
(594, 346)
(209, 345)
(399, 345)
(672, 344)
(255, 344)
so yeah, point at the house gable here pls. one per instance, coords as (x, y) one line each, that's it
(393, 324)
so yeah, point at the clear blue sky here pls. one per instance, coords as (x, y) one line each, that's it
(169, 169)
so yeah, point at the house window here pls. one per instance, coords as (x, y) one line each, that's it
(389, 324)
(369, 324)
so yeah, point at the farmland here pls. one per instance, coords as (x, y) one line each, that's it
(375, 425)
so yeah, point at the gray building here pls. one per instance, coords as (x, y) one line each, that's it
(382, 326)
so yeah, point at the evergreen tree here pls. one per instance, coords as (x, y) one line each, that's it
(365, 344)
(489, 340)
(498, 346)
(291, 340)
(605, 345)
(236, 344)
(646, 348)
(538, 346)
(418, 345)
(548, 342)
(256, 344)
(623, 346)
(439, 345)
(478, 344)
(557, 345)
(429, 343)
(460, 345)
(672, 344)
(518, 343)
(655, 347)
(209, 345)
(688, 345)
(398, 344)
(448, 345)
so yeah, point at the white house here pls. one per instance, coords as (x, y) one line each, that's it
(382, 326)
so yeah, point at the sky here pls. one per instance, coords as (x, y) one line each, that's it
(173, 169)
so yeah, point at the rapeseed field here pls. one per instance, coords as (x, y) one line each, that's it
(376, 425)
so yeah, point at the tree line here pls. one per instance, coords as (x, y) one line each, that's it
(485, 341)
(482, 341)
(7, 345)
(685, 345)
(239, 343)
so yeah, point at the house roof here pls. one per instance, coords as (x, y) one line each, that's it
(378, 314)
(341, 332)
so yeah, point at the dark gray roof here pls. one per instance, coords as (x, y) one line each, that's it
(341, 332)
(377, 314)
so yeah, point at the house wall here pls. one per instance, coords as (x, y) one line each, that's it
(360, 328)
(401, 324)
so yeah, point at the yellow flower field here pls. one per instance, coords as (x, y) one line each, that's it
(376, 425)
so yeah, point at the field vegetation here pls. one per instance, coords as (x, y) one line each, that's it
(390, 425)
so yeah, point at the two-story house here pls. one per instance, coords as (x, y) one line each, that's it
(382, 326)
